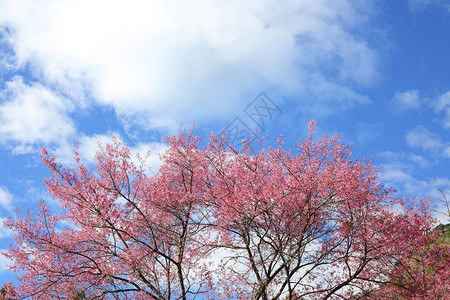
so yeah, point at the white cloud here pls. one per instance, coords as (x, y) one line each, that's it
(420, 160)
(421, 137)
(447, 151)
(152, 160)
(442, 105)
(163, 60)
(88, 146)
(393, 174)
(7, 59)
(32, 114)
(4, 231)
(442, 200)
(409, 160)
(5, 198)
(4, 262)
(406, 100)
(399, 176)
(442, 102)
(398, 171)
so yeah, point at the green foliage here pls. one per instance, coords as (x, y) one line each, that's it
(3, 290)
(443, 228)
(444, 238)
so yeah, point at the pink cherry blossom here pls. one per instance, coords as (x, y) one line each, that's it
(310, 222)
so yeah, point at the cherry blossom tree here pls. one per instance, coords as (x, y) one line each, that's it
(426, 274)
(215, 223)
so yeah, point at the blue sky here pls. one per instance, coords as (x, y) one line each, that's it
(375, 72)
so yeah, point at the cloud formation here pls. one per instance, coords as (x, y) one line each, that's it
(161, 62)
(421, 137)
(33, 114)
(88, 146)
(442, 106)
(406, 100)
(5, 199)
(424, 139)
(4, 261)
(400, 170)
(4, 231)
